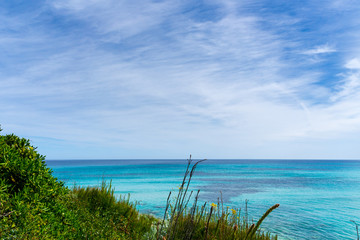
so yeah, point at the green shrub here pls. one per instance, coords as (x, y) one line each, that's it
(28, 192)
(117, 215)
(35, 205)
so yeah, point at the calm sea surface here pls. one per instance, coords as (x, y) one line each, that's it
(317, 198)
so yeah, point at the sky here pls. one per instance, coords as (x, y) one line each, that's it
(117, 79)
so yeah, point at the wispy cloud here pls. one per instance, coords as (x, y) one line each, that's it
(320, 50)
(115, 21)
(353, 64)
(158, 79)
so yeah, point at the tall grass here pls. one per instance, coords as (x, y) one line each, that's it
(113, 217)
(212, 221)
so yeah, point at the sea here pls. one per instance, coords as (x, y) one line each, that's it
(319, 199)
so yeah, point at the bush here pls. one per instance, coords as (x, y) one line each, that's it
(103, 216)
(35, 205)
(28, 192)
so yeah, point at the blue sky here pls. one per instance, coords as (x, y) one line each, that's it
(162, 79)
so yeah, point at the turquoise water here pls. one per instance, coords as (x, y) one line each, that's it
(317, 198)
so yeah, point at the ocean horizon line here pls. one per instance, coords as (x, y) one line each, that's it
(207, 159)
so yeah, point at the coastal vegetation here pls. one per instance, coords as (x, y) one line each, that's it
(36, 205)
(206, 222)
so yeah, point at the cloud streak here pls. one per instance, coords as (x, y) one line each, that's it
(113, 80)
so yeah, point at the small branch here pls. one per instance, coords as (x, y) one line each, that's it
(357, 228)
(208, 221)
(6, 214)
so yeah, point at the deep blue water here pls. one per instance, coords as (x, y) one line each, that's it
(317, 198)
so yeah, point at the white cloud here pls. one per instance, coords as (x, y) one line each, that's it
(320, 50)
(353, 64)
(225, 88)
(118, 20)
(349, 87)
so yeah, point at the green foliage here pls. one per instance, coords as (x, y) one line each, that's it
(35, 205)
(206, 222)
(29, 194)
(117, 215)
(212, 223)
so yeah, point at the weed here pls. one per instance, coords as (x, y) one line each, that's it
(206, 222)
